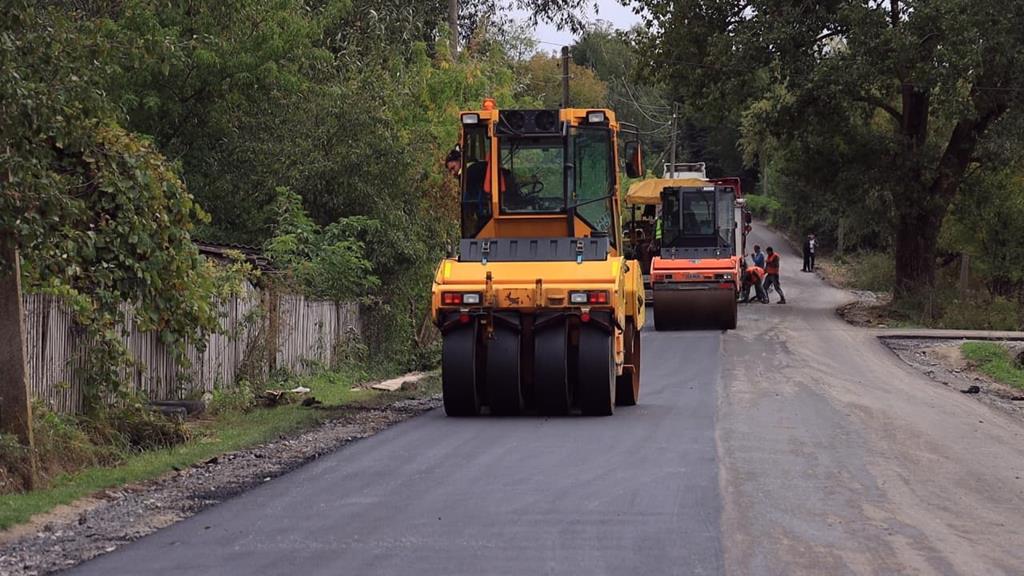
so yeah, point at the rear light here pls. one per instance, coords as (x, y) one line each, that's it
(595, 297)
(585, 317)
(458, 298)
(727, 285)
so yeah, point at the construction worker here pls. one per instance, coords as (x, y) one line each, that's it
(807, 254)
(752, 276)
(453, 162)
(757, 257)
(814, 248)
(771, 270)
(657, 226)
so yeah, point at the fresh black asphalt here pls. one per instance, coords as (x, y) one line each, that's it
(634, 493)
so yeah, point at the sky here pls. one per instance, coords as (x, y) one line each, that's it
(610, 10)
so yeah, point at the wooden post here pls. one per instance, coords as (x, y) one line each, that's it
(565, 77)
(15, 404)
(273, 325)
(672, 152)
(965, 270)
(453, 25)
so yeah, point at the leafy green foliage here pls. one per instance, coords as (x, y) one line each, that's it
(100, 216)
(882, 107)
(328, 263)
(542, 82)
(764, 207)
(870, 271)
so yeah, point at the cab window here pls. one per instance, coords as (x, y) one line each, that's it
(531, 179)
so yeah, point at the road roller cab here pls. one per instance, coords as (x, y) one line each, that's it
(695, 276)
(540, 310)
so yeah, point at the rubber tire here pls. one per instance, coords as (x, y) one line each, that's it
(627, 385)
(504, 389)
(551, 369)
(459, 372)
(596, 372)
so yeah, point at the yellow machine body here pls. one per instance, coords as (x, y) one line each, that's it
(539, 310)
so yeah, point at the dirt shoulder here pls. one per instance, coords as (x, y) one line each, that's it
(99, 524)
(943, 362)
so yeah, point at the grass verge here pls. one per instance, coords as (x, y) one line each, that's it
(227, 431)
(995, 361)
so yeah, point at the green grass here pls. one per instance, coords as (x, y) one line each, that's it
(226, 433)
(995, 361)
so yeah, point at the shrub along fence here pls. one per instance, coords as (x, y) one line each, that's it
(262, 330)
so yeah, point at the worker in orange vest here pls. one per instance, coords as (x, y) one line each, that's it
(752, 276)
(771, 268)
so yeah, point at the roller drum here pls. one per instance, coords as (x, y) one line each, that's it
(694, 309)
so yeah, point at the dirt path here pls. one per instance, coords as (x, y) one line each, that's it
(839, 458)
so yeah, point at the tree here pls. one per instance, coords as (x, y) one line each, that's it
(541, 78)
(100, 216)
(939, 77)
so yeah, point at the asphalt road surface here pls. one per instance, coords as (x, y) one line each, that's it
(793, 445)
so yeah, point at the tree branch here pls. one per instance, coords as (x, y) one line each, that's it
(877, 102)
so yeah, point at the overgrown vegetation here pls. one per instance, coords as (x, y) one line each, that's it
(945, 306)
(994, 360)
(79, 460)
(887, 126)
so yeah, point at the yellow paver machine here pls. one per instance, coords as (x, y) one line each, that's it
(697, 251)
(540, 310)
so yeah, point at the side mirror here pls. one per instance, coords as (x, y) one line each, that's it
(634, 160)
(748, 217)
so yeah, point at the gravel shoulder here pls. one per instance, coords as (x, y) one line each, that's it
(942, 362)
(100, 524)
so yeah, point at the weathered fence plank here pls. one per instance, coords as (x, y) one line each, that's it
(308, 334)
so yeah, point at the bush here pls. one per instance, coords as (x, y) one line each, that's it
(994, 360)
(763, 207)
(240, 398)
(980, 312)
(874, 271)
(134, 428)
(61, 444)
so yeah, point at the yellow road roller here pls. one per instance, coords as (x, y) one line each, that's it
(539, 311)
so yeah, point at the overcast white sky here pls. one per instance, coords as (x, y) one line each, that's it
(610, 10)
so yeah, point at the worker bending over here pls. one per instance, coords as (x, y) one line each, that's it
(752, 276)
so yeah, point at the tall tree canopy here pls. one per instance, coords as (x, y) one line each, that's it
(910, 95)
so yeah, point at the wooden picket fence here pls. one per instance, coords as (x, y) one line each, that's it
(305, 333)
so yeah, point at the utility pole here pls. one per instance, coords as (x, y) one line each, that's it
(453, 25)
(565, 76)
(15, 409)
(672, 152)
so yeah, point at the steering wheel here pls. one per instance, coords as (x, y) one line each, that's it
(533, 188)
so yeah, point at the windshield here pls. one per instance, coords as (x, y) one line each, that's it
(594, 178)
(532, 174)
(689, 214)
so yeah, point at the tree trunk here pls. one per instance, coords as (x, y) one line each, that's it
(917, 236)
(922, 206)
